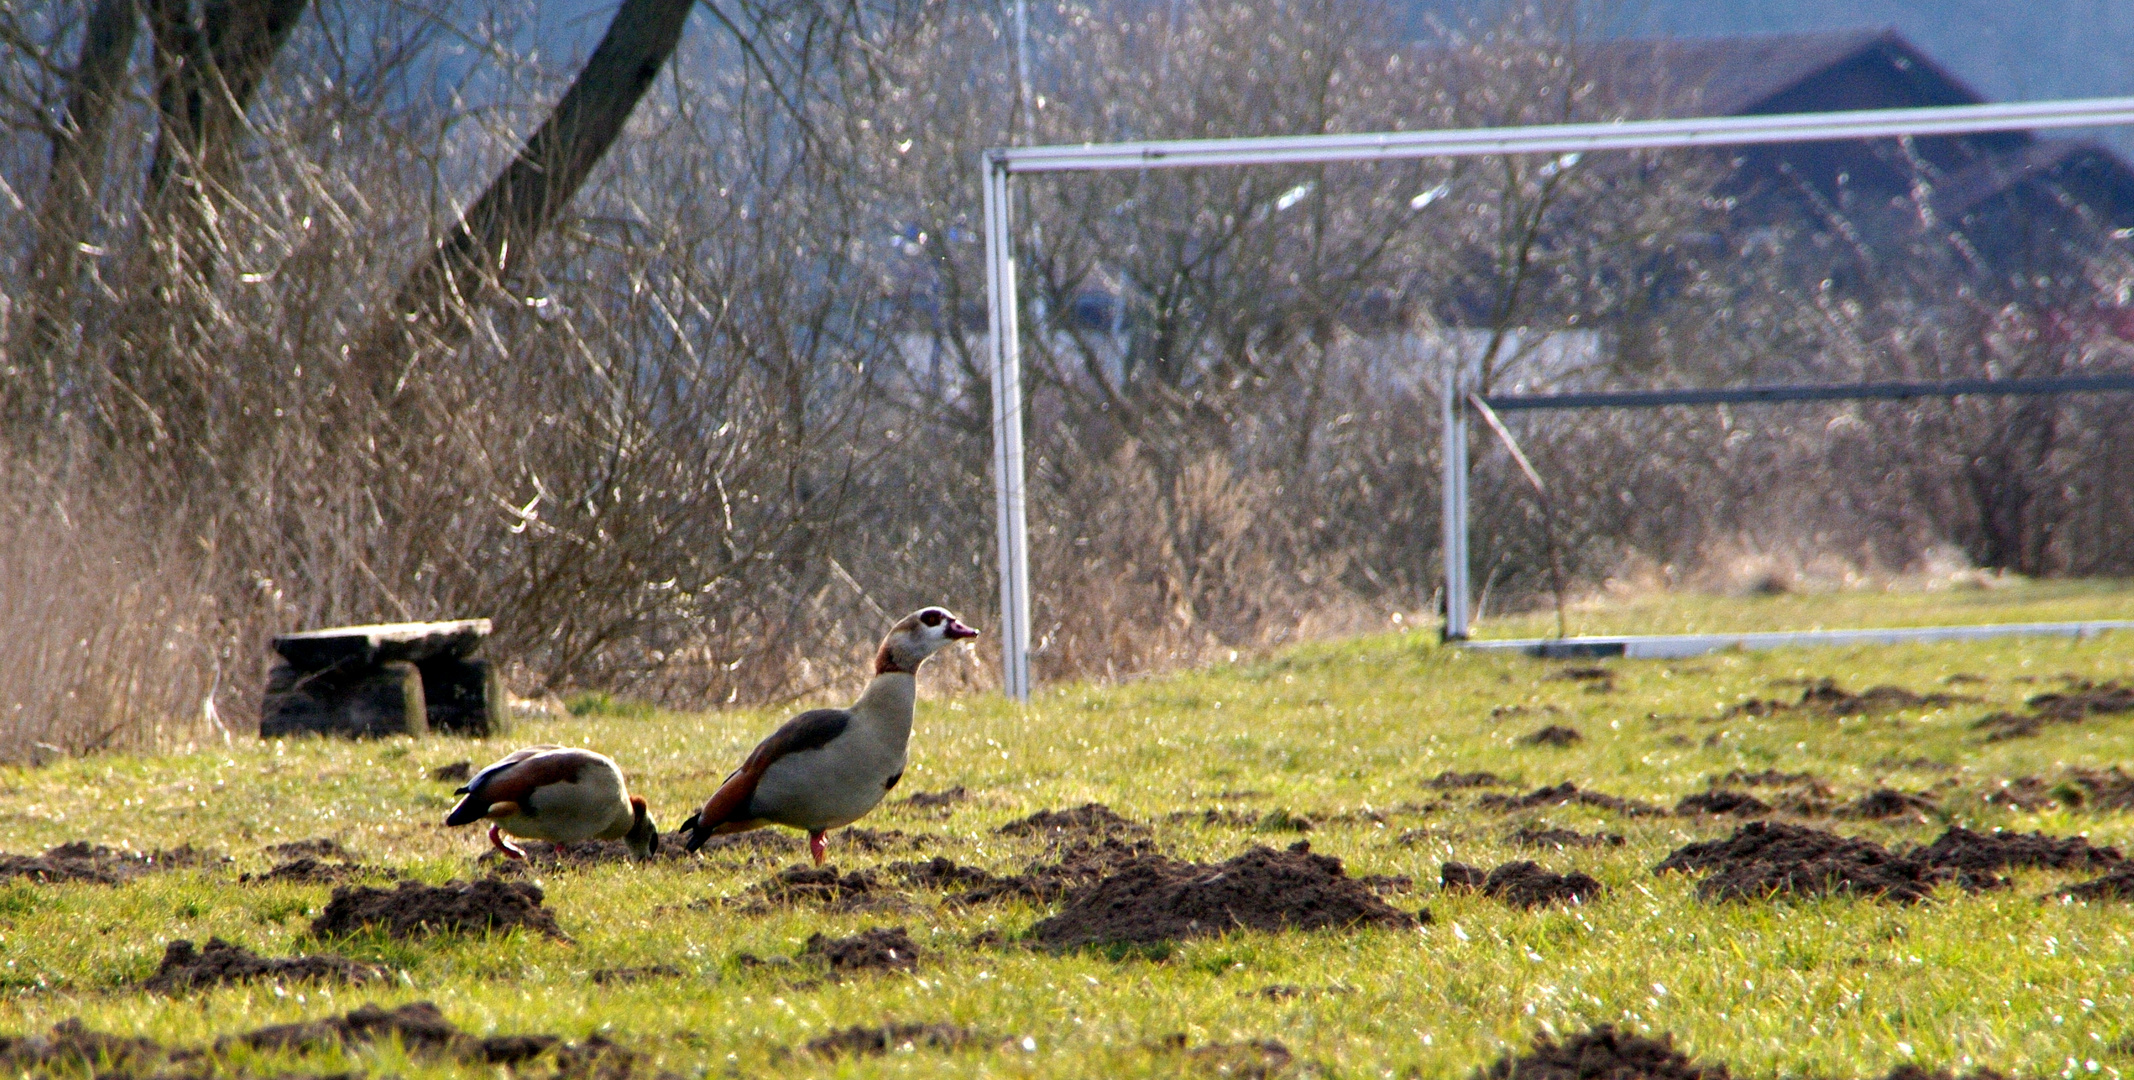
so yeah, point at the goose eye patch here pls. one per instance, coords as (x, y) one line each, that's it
(931, 618)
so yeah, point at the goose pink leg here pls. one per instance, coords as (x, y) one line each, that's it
(818, 845)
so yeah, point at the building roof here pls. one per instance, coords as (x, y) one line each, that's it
(1735, 76)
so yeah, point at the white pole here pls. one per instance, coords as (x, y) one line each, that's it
(1011, 523)
(1454, 494)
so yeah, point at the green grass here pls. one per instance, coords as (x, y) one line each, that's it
(1835, 988)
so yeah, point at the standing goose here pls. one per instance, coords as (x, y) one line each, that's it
(827, 767)
(560, 794)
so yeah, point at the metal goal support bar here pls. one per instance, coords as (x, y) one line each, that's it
(1004, 352)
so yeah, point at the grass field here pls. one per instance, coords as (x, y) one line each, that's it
(1347, 735)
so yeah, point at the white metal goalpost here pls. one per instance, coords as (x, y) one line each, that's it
(1001, 164)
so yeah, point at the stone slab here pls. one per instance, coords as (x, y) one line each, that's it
(367, 646)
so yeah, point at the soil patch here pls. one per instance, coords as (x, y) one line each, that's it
(1579, 674)
(73, 1049)
(879, 949)
(1554, 735)
(413, 909)
(1764, 859)
(1603, 1053)
(936, 800)
(886, 1037)
(1961, 849)
(2096, 789)
(458, 772)
(1086, 818)
(1722, 801)
(1455, 781)
(320, 848)
(1826, 697)
(941, 874)
(622, 975)
(1157, 899)
(1882, 804)
(1258, 1059)
(424, 1032)
(2116, 885)
(1565, 794)
(309, 871)
(820, 885)
(1773, 778)
(80, 860)
(1074, 865)
(2072, 706)
(880, 841)
(1532, 837)
(1521, 884)
(188, 968)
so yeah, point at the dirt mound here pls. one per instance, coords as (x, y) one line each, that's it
(887, 1037)
(424, 1032)
(1554, 735)
(1086, 818)
(879, 841)
(310, 871)
(1157, 899)
(1521, 884)
(1565, 794)
(1722, 801)
(1258, 1059)
(2096, 789)
(1766, 859)
(621, 975)
(1455, 781)
(1532, 837)
(185, 967)
(936, 800)
(320, 848)
(1590, 673)
(1826, 697)
(1882, 804)
(458, 772)
(941, 874)
(414, 909)
(1074, 865)
(80, 860)
(1602, 1053)
(584, 853)
(74, 1049)
(2116, 885)
(2072, 706)
(1771, 778)
(1961, 849)
(819, 885)
(879, 949)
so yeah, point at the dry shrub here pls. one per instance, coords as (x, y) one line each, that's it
(114, 638)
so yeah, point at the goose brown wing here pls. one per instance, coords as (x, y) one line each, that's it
(515, 778)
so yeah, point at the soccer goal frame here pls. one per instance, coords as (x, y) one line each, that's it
(1001, 164)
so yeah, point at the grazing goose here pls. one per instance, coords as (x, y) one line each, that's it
(827, 767)
(560, 794)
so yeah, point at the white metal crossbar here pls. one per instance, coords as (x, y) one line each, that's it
(1001, 163)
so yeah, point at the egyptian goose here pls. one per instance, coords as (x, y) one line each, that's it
(560, 794)
(827, 767)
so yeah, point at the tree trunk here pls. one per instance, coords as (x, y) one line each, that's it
(208, 65)
(73, 190)
(498, 233)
